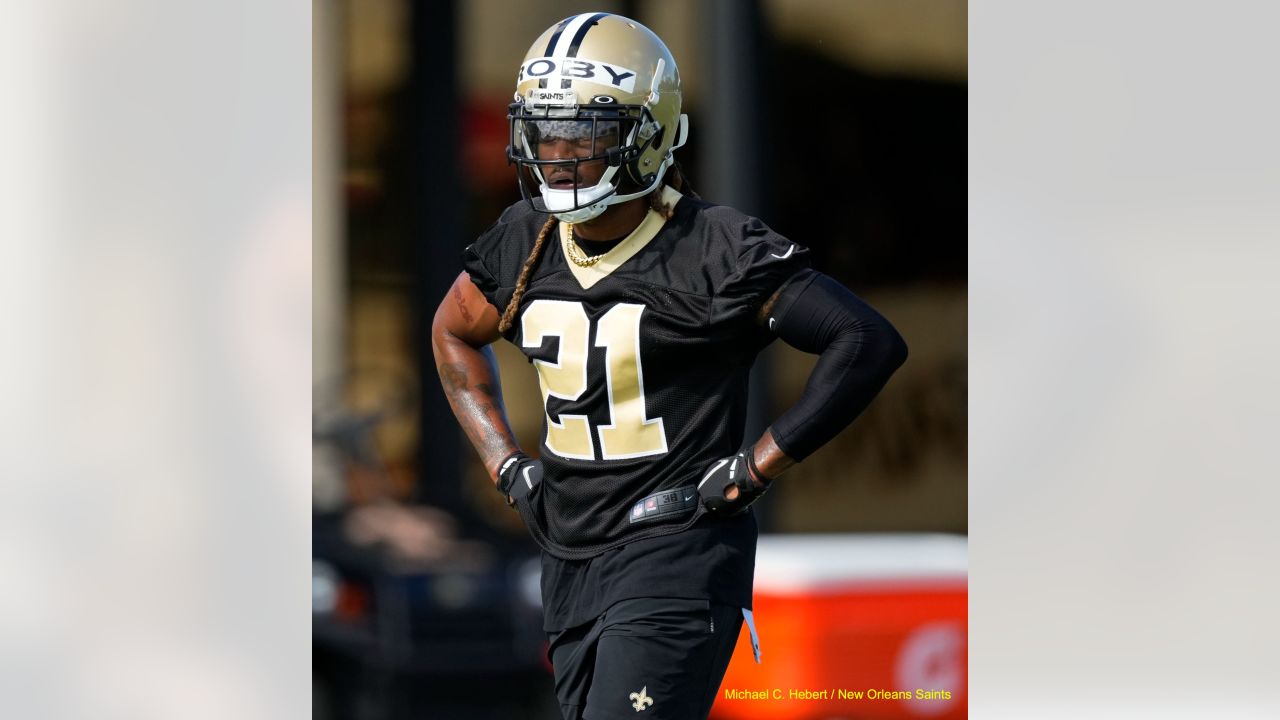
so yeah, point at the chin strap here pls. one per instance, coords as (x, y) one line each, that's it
(594, 210)
(581, 215)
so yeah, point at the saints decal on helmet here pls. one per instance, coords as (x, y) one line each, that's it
(596, 116)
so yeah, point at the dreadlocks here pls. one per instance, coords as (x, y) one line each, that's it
(509, 315)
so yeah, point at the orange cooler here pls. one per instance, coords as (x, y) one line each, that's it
(854, 626)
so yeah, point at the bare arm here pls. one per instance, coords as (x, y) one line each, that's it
(769, 458)
(465, 325)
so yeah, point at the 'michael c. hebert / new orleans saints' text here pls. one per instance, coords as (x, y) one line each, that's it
(836, 694)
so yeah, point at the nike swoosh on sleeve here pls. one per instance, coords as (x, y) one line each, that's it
(785, 255)
(527, 481)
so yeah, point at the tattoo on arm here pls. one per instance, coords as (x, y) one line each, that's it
(453, 376)
(476, 398)
(769, 458)
(462, 304)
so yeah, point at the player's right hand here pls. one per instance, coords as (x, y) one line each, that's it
(518, 475)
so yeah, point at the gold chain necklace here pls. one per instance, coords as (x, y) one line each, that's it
(575, 253)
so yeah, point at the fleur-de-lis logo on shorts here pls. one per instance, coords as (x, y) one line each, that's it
(641, 699)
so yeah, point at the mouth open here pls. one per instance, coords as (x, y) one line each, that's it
(561, 181)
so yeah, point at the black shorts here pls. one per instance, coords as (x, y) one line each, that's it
(656, 658)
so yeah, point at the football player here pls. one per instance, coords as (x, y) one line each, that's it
(642, 307)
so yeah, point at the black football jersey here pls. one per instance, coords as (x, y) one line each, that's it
(642, 360)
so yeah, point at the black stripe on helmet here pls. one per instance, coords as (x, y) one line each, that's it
(582, 33)
(551, 44)
(578, 37)
(559, 29)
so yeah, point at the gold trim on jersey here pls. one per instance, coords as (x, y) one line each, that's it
(623, 251)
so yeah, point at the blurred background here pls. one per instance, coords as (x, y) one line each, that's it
(843, 126)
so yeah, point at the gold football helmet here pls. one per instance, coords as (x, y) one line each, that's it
(597, 94)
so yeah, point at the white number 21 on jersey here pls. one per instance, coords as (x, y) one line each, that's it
(629, 433)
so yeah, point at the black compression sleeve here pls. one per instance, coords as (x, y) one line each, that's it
(858, 351)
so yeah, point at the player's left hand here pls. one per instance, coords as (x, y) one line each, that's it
(728, 488)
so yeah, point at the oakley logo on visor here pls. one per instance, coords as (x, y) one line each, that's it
(578, 69)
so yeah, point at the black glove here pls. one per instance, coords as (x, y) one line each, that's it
(518, 475)
(731, 471)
